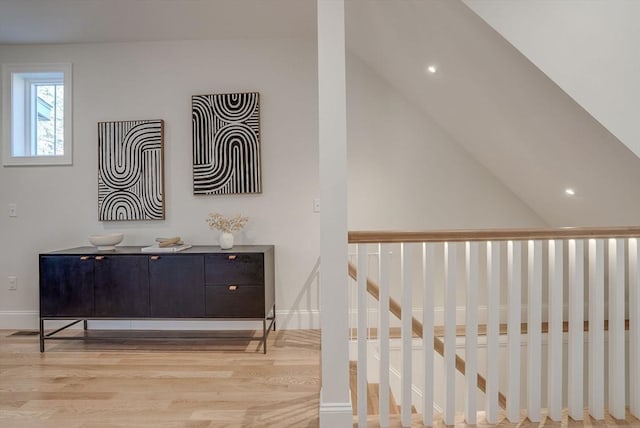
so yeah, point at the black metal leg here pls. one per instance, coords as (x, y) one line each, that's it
(62, 328)
(264, 336)
(41, 335)
(266, 329)
(274, 317)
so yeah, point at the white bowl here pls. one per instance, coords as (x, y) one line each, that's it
(107, 241)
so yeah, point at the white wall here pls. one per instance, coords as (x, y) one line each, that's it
(407, 173)
(57, 206)
(589, 48)
(499, 107)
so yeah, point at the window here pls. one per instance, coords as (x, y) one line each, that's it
(36, 117)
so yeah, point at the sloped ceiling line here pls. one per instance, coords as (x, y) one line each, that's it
(501, 108)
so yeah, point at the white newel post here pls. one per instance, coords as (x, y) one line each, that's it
(335, 403)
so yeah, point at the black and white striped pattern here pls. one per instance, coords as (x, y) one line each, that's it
(226, 144)
(130, 170)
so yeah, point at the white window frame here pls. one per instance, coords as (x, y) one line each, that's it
(17, 123)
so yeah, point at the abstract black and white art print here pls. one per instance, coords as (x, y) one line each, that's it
(226, 144)
(130, 170)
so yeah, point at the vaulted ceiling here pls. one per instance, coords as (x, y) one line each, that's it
(486, 95)
(591, 49)
(502, 109)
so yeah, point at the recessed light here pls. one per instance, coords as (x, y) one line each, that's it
(432, 69)
(569, 192)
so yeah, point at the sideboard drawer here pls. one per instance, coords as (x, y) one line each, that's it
(235, 301)
(230, 269)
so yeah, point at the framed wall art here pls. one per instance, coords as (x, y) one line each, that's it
(131, 170)
(226, 143)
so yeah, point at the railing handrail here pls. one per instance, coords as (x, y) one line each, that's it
(461, 235)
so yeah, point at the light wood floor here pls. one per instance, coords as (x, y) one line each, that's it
(160, 384)
(175, 384)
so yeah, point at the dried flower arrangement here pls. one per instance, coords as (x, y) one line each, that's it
(219, 222)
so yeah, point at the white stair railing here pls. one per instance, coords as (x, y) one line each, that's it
(453, 272)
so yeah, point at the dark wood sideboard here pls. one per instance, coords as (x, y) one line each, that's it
(202, 282)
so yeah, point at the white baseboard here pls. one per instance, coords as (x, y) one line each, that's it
(334, 415)
(285, 320)
(306, 319)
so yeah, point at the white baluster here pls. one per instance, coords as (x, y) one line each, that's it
(450, 334)
(596, 328)
(407, 349)
(576, 330)
(353, 302)
(362, 335)
(616, 329)
(428, 252)
(514, 318)
(471, 339)
(634, 328)
(554, 343)
(493, 326)
(383, 335)
(534, 330)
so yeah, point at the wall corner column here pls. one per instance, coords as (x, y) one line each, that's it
(335, 400)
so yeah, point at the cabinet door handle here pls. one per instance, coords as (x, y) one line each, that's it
(155, 257)
(233, 287)
(99, 257)
(85, 257)
(232, 257)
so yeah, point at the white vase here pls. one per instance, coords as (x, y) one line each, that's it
(226, 240)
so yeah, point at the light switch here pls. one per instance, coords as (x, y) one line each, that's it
(316, 205)
(13, 210)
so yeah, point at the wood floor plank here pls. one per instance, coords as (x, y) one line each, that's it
(164, 383)
(173, 385)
